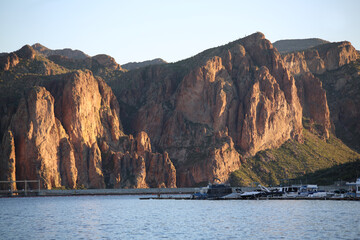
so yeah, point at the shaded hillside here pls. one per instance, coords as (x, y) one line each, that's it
(291, 45)
(347, 172)
(314, 160)
(135, 65)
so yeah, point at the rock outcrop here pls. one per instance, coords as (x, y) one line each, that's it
(8, 61)
(319, 59)
(135, 165)
(67, 133)
(37, 136)
(8, 161)
(343, 94)
(107, 61)
(314, 101)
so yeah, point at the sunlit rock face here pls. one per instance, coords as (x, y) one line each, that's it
(206, 110)
(67, 133)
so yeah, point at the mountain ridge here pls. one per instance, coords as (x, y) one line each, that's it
(176, 124)
(293, 45)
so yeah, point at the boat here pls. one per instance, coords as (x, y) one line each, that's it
(213, 191)
(261, 191)
(355, 188)
(302, 191)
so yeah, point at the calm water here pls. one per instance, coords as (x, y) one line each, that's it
(127, 217)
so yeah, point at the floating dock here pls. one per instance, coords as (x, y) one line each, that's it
(260, 198)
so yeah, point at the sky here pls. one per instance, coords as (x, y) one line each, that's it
(173, 30)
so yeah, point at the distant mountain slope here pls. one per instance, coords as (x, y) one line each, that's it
(66, 52)
(135, 65)
(290, 45)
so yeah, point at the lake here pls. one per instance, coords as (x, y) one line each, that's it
(127, 217)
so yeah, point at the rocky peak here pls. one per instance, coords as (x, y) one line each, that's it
(8, 61)
(66, 52)
(107, 61)
(39, 47)
(26, 52)
(317, 60)
(135, 65)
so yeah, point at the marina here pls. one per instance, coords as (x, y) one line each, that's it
(215, 191)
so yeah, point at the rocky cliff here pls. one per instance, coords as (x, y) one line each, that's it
(238, 98)
(66, 132)
(343, 94)
(318, 60)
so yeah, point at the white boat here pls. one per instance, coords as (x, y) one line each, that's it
(310, 190)
(355, 191)
(261, 191)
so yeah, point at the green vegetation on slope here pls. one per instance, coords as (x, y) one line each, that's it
(314, 160)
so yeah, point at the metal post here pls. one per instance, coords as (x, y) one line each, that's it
(11, 188)
(39, 187)
(25, 188)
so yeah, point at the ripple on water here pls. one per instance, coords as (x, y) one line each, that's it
(124, 217)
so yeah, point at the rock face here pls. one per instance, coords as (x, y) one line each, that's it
(239, 96)
(7, 161)
(343, 94)
(137, 166)
(67, 132)
(317, 60)
(8, 61)
(37, 138)
(314, 101)
(323, 58)
(107, 61)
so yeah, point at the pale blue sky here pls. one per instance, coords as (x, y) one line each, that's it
(173, 30)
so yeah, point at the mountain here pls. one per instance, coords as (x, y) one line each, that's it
(135, 65)
(62, 126)
(291, 45)
(240, 112)
(66, 52)
(213, 111)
